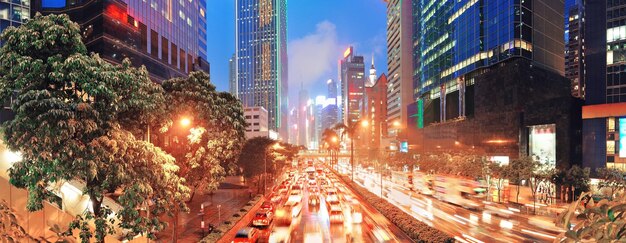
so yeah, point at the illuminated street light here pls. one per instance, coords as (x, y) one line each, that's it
(365, 123)
(185, 122)
(396, 123)
(334, 139)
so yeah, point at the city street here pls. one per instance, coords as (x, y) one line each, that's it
(314, 222)
(476, 225)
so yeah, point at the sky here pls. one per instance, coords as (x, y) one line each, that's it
(318, 31)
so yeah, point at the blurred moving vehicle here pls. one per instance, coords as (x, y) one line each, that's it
(403, 179)
(294, 207)
(247, 235)
(313, 233)
(263, 217)
(357, 216)
(380, 235)
(314, 200)
(458, 191)
(280, 235)
(336, 214)
(268, 206)
(498, 209)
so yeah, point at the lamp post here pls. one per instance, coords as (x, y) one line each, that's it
(333, 156)
(184, 122)
(352, 131)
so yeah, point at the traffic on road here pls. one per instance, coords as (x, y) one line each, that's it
(313, 205)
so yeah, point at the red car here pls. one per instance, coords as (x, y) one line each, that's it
(263, 218)
(268, 206)
(247, 235)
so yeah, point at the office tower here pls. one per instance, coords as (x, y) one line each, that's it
(400, 62)
(261, 54)
(168, 37)
(488, 75)
(604, 113)
(332, 89)
(375, 111)
(352, 80)
(371, 80)
(574, 50)
(13, 13)
(303, 123)
(232, 76)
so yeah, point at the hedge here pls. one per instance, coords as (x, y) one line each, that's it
(415, 229)
(220, 230)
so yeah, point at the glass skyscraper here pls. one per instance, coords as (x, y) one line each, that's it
(261, 54)
(455, 39)
(13, 13)
(168, 37)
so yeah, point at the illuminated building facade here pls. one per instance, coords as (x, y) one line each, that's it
(168, 37)
(261, 54)
(375, 112)
(400, 63)
(604, 113)
(574, 50)
(13, 13)
(352, 79)
(456, 39)
(232, 76)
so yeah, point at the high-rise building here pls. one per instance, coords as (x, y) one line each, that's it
(330, 114)
(574, 50)
(400, 62)
(604, 113)
(352, 79)
(489, 75)
(261, 54)
(375, 111)
(168, 37)
(332, 90)
(455, 39)
(13, 13)
(232, 76)
(303, 117)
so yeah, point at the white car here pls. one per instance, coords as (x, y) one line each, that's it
(335, 215)
(280, 235)
(295, 207)
(357, 216)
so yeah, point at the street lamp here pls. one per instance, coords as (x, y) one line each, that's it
(185, 122)
(352, 131)
(275, 147)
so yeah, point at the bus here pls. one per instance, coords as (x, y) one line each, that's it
(455, 190)
(403, 179)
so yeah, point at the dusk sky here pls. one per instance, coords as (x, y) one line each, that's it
(318, 33)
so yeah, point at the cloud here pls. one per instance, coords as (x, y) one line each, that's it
(313, 57)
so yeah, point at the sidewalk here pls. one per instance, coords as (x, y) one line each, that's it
(232, 196)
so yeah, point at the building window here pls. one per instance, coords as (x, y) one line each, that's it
(611, 124)
(256, 124)
(256, 116)
(154, 45)
(610, 147)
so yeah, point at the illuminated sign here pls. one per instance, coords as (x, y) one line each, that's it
(622, 137)
(404, 147)
(347, 52)
(542, 144)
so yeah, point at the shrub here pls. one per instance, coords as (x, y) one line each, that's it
(415, 229)
(242, 210)
(227, 222)
(236, 215)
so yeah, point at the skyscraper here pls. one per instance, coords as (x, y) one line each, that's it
(168, 37)
(352, 79)
(375, 111)
(457, 38)
(261, 54)
(489, 74)
(604, 113)
(400, 62)
(13, 13)
(232, 76)
(574, 50)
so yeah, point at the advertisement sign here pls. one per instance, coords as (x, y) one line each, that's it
(404, 147)
(542, 144)
(622, 137)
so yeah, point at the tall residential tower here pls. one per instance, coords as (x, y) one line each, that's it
(261, 54)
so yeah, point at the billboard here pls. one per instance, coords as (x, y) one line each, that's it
(622, 137)
(542, 144)
(404, 147)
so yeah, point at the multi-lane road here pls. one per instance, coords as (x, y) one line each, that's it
(491, 223)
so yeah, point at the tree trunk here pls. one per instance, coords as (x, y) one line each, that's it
(517, 199)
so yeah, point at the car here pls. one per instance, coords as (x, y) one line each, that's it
(280, 235)
(294, 207)
(247, 235)
(336, 214)
(357, 216)
(314, 189)
(331, 195)
(498, 209)
(268, 206)
(314, 200)
(276, 199)
(312, 183)
(263, 217)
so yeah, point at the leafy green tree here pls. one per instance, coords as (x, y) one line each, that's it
(603, 221)
(10, 230)
(70, 112)
(255, 156)
(611, 178)
(575, 178)
(350, 130)
(206, 148)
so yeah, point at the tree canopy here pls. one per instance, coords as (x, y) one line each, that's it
(74, 120)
